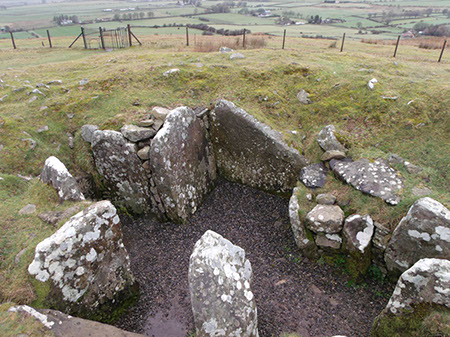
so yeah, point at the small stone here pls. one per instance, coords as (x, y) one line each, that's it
(237, 56)
(302, 97)
(136, 133)
(144, 153)
(395, 159)
(332, 154)
(32, 99)
(55, 82)
(87, 132)
(412, 169)
(3, 98)
(37, 92)
(371, 83)
(326, 199)
(146, 122)
(332, 241)
(314, 176)
(421, 192)
(42, 85)
(225, 50)
(42, 129)
(84, 81)
(328, 141)
(171, 72)
(28, 209)
(159, 113)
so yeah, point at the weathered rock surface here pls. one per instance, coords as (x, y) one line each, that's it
(332, 154)
(333, 241)
(53, 217)
(56, 173)
(136, 133)
(171, 72)
(220, 286)
(421, 294)
(302, 97)
(326, 199)
(160, 113)
(423, 233)
(237, 56)
(182, 163)
(358, 231)
(328, 141)
(305, 245)
(377, 179)
(87, 132)
(27, 209)
(116, 160)
(249, 152)
(85, 263)
(62, 325)
(314, 175)
(325, 219)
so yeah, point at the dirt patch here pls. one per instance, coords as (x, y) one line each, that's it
(292, 293)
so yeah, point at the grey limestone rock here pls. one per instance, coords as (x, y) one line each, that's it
(325, 219)
(358, 231)
(314, 175)
(249, 152)
(27, 209)
(182, 163)
(328, 141)
(326, 199)
(302, 97)
(85, 262)
(237, 56)
(375, 178)
(421, 191)
(332, 154)
(171, 72)
(56, 173)
(159, 113)
(136, 133)
(220, 286)
(87, 132)
(423, 233)
(333, 241)
(117, 161)
(305, 245)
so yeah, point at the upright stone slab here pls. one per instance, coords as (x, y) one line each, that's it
(420, 303)
(220, 287)
(328, 141)
(56, 173)
(182, 164)
(306, 246)
(127, 181)
(423, 233)
(249, 152)
(86, 265)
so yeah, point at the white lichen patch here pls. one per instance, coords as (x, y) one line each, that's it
(34, 313)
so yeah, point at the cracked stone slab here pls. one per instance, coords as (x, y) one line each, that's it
(423, 232)
(314, 175)
(376, 178)
(220, 279)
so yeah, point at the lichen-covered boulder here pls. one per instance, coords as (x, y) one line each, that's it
(423, 233)
(125, 178)
(314, 175)
(306, 246)
(182, 163)
(376, 178)
(420, 304)
(86, 265)
(328, 141)
(220, 286)
(56, 173)
(249, 152)
(357, 232)
(325, 219)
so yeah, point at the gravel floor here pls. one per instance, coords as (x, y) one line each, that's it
(292, 294)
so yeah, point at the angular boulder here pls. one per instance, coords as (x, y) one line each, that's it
(305, 245)
(423, 233)
(56, 173)
(182, 163)
(314, 175)
(328, 141)
(420, 304)
(325, 219)
(86, 265)
(376, 178)
(333, 241)
(136, 133)
(87, 132)
(220, 286)
(125, 178)
(358, 232)
(249, 152)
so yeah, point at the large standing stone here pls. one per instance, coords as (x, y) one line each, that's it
(420, 302)
(305, 245)
(325, 219)
(56, 173)
(328, 141)
(423, 233)
(116, 160)
(182, 163)
(314, 176)
(358, 231)
(375, 178)
(220, 285)
(249, 152)
(86, 264)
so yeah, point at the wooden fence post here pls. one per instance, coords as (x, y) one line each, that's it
(84, 38)
(342, 45)
(442, 51)
(49, 39)
(129, 34)
(101, 37)
(396, 46)
(243, 40)
(284, 39)
(187, 36)
(12, 39)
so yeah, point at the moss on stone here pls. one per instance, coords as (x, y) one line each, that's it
(424, 320)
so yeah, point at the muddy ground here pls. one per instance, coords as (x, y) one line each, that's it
(292, 293)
